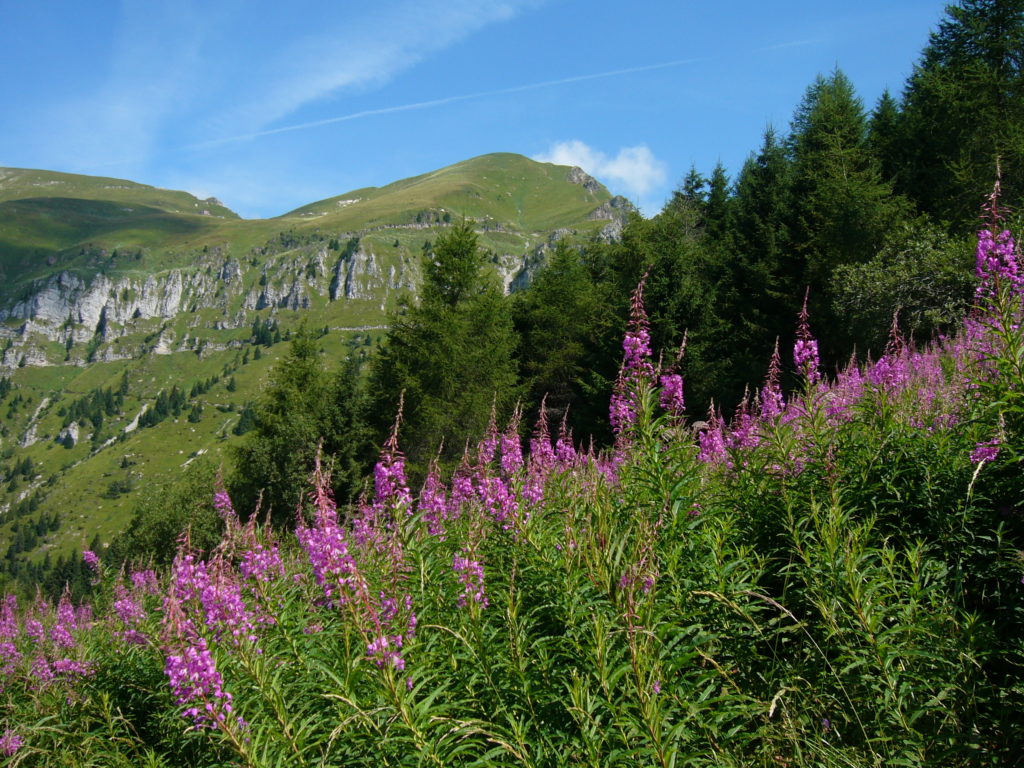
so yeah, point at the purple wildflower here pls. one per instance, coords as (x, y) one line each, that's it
(985, 452)
(261, 563)
(498, 500)
(471, 576)
(196, 683)
(10, 743)
(9, 617)
(542, 456)
(805, 350)
(997, 263)
(432, 503)
(743, 432)
(10, 658)
(488, 446)
(131, 613)
(42, 674)
(224, 610)
(462, 489)
(565, 451)
(92, 560)
(712, 442)
(145, 581)
(636, 369)
(512, 446)
(671, 398)
(64, 624)
(390, 486)
(69, 669)
(386, 650)
(34, 629)
(772, 402)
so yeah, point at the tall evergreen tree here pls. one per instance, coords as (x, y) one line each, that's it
(884, 135)
(289, 421)
(964, 109)
(451, 354)
(761, 284)
(842, 207)
(561, 320)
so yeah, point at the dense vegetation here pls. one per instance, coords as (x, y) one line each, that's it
(815, 562)
(833, 578)
(833, 212)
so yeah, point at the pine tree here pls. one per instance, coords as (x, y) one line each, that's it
(964, 109)
(289, 422)
(842, 208)
(451, 354)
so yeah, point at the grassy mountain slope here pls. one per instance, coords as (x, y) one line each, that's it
(334, 264)
(504, 188)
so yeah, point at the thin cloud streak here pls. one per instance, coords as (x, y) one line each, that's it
(791, 44)
(450, 100)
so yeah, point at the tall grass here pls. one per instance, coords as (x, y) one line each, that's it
(831, 579)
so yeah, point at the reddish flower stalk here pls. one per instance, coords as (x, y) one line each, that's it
(636, 369)
(805, 350)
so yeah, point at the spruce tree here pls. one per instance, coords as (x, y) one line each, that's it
(842, 207)
(964, 109)
(288, 423)
(450, 355)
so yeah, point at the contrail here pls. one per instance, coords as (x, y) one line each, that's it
(450, 100)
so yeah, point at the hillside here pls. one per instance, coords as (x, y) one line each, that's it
(119, 299)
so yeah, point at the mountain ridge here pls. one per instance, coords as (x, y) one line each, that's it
(162, 303)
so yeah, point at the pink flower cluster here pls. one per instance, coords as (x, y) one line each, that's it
(471, 575)
(198, 686)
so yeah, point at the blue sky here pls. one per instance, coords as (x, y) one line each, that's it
(272, 105)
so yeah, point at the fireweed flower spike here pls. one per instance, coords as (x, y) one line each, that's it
(996, 255)
(985, 452)
(10, 743)
(805, 350)
(636, 369)
(511, 445)
(772, 402)
(471, 575)
(198, 686)
(432, 503)
(671, 397)
(390, 486)
(92, 560)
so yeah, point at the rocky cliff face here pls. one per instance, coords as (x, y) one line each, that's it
(69, 309)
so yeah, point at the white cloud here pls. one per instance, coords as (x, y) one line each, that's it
(634, 170)
(176, 70)
(354, 51)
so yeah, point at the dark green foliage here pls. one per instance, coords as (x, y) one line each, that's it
(165, 514)
(264, 332)
(842, 207)
(562, 321)
(304, 409)
(921, 277)
(98, 404)
(963, 109)
(289, 422)
(449, 356)
(246, 420)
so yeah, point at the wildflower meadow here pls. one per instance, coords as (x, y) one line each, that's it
(830, 577)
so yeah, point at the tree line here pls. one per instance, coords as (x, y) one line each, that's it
(865, 213)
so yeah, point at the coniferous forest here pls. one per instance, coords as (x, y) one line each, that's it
(742, 487)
